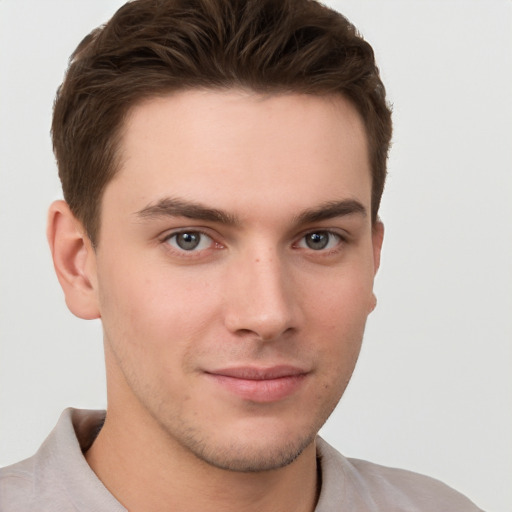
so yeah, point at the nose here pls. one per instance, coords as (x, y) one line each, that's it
(261, 300)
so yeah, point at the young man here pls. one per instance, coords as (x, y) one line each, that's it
(222, 164)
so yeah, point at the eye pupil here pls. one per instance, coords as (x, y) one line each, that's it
(188, 241)
(317, 241)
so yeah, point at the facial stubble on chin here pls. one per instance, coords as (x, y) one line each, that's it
(241, 457)
(235, 458)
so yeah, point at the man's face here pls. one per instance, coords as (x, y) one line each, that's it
(234, 270)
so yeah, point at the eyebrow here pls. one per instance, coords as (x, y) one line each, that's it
(173, 207)
(331, 210)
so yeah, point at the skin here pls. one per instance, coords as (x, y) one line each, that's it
(283, 174)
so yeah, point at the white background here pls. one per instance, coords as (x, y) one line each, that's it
(433, 389)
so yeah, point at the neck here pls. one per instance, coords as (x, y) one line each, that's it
(147, 471)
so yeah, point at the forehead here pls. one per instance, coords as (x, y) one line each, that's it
(237, 147)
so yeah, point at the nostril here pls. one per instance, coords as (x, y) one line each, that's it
(246, 332)
(265, 336)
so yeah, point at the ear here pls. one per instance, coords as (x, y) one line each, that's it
(74, 260)
(377, 239)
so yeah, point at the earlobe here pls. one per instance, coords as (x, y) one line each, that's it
(373, 303)
(74, 261)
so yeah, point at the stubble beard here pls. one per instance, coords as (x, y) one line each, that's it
(243, 458)
(247, 455)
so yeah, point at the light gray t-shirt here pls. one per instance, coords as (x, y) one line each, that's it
(57, 479)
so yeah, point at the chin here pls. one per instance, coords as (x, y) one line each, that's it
(250, 456)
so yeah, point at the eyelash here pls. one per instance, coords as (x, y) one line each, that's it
(340, 240)
(191, 253)
(333, 236)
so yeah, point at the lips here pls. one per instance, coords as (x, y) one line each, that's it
(261, 385)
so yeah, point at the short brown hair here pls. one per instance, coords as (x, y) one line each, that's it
(153, 47)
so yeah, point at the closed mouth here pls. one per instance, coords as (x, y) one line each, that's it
(258, 384)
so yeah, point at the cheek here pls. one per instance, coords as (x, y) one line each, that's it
(338, 315)
(341, 301)
(160, 309)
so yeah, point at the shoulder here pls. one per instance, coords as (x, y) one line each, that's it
(365, 486)
(34, 483)
(17, 485)
(57, 478)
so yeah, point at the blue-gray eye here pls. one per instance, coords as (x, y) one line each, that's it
(320, 240)
(189, 241)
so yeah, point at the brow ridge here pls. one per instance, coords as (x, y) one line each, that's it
(330, 210)
(173, 207)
